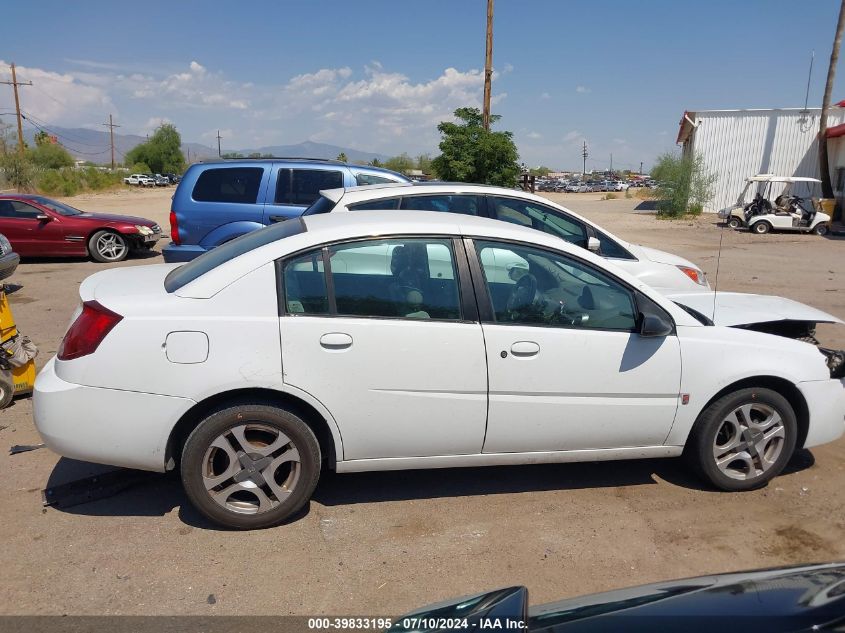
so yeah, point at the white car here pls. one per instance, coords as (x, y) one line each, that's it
(141, 180)
(389, 341)
(663, 271)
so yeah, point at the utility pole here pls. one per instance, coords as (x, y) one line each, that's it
(111, 127)
(488, 67)
(15, 83)
(641, 168)
(824, 165)
(219, 154)
(584, 154)
(611, 163)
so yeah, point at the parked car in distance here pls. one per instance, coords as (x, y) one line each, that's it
(218, 201)
(38, 226)
(173, 178)
(546, 343)
(161, 181)
(659, 269)
(141, 180)
(781, 600)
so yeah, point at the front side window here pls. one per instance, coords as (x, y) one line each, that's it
(537, 216)
(396, 278)
(235, 185)
(611, 248)
(58, 207)
(302, 187)
(531, 286)
(463, 204)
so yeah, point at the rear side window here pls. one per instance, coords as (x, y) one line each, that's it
(370, 179)
(447, 203)
(385, 204)
(302, 187)
(229, 184)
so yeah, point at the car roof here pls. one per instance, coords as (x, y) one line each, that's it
(243, 161)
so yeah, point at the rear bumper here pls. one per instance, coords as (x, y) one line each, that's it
(826, 403)
(105, 426)
(173, 253)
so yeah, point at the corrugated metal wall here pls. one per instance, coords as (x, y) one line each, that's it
(739, 144)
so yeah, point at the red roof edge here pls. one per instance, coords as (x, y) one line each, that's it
(836, 131)
(841, 104)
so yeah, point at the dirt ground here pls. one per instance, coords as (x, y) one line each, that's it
(386, 543)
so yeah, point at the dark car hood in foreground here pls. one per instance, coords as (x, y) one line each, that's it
(772, 600)
(113, 217)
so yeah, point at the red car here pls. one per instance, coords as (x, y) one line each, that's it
(40, 227)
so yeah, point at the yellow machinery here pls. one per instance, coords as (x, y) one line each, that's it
(17, 354)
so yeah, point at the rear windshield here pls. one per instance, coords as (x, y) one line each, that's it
(210, 260)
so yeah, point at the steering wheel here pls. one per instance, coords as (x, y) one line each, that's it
(523, 293)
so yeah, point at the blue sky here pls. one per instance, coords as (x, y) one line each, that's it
(378, 75)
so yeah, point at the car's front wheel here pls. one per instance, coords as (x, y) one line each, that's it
(250, 466)
(821, 228)
(762, 227)
(108, 247)
(743, 440)
(734, 222)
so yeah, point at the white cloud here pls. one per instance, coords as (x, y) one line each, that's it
(545, 95)
(574, 135)
(155, 122)
(534, 135)
(582, 90)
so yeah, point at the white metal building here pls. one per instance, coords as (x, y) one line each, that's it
(736, 144)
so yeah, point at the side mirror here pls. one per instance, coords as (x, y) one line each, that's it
(593, 244)
(654, 325)
(43, 217)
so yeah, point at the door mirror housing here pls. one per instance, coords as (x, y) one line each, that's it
(43, 217)
(655, 325)
(593, 244)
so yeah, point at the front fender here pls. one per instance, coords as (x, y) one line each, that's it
(228, 232)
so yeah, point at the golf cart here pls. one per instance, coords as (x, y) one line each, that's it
(793, 209)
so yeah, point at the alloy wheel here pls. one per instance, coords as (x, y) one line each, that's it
(111, 246)
(749, 441)
(251, 468)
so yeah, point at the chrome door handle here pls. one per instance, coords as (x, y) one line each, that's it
(522, 349)
(335, 340)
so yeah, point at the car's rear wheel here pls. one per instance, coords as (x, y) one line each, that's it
(734, 223)
(250, 466)
(743, 440)
(762, 227)
(108, 247)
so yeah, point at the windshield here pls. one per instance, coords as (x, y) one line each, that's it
(59, 207)
(210, 260)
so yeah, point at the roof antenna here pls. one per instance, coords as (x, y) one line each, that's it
(718, 263)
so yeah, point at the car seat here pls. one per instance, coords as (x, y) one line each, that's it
(407, 265)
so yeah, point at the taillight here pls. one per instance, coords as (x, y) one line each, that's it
(694, 274)
(174, 229)
(88, 331)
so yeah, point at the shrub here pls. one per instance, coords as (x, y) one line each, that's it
(69, 182)
(685, 185)
(19, 170)
(609, 196)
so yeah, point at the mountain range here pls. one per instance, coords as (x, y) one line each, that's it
(93, 145)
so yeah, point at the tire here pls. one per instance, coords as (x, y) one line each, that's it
(242, 487)
(734, 223)
(7, 388)
(821, 229)
(721, 425)
(108, 247)
(762, 227)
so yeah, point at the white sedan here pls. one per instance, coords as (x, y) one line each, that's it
(391, 340)
(660, 270)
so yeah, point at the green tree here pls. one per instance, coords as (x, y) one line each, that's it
(424, 163)
(469, 153)
(342, 157)
(232, 155)
(163, 152)
(375, 163)
(41, 138)
(402, 163)
(542, 170)
(684, 184)
(49, 155)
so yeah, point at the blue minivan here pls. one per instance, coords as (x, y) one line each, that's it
(220, 200)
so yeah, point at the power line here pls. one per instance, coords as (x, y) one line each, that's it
(29, 116)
